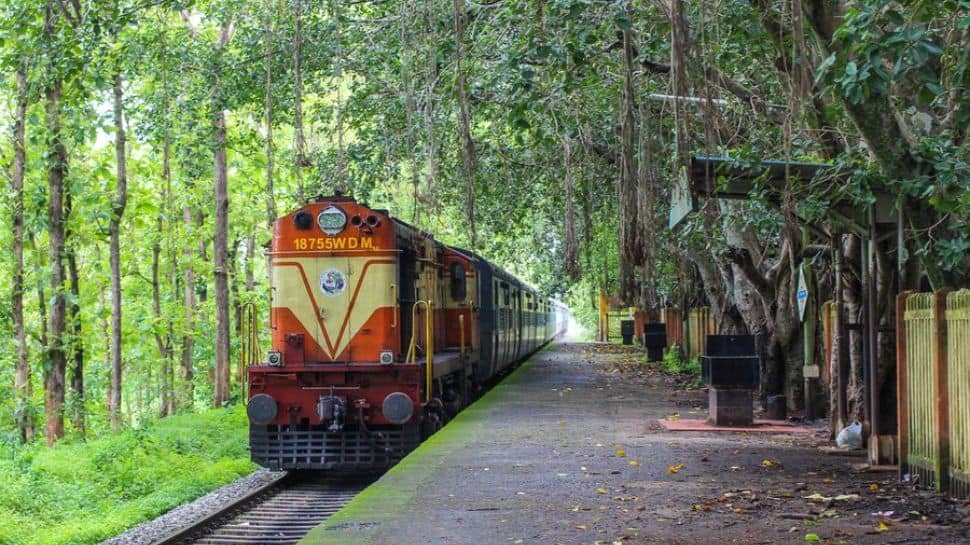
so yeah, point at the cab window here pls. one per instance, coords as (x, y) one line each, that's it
(459, 285)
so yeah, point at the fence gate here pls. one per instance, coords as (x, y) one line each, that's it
(933, 367)
(958, 379)
(921, 447)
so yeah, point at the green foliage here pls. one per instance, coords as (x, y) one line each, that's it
(80, 492)
(675, 363)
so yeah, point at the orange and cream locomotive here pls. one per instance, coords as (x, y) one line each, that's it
(379, 335)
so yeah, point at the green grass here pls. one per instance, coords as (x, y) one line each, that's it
(84, 492)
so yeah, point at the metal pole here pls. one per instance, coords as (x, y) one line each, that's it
(872, 330)
(808, 333)
(842, 365)
(866, 347)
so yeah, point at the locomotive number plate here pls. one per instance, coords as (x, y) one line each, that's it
(326, 243)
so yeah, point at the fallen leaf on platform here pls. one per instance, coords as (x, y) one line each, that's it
(883, 526)
(634, 463)
(675, 469)
(601, 491)
(847, 497)
(620, 453)
(580, 526)
(827, 480)
(817, 497)
(768, 463)
(812, 538)
(873, 487)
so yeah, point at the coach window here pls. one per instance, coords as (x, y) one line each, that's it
(459, 287)
(505, 293)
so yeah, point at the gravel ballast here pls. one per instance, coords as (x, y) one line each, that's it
(183, 515)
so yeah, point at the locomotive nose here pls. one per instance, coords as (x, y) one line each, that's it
(261, 409)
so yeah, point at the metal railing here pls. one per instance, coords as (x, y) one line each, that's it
(412, 356)
(933, 371)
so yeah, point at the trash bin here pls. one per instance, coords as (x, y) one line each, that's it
(731, 369)
(655, 340)
(626, 331)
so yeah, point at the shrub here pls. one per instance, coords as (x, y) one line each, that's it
(84, 492)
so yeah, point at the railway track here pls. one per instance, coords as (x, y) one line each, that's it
(279, 513)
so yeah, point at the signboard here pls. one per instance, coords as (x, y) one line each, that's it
(802, 294)
(681, 199)
(810, 371)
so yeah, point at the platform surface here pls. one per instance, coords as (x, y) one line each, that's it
(567, 450)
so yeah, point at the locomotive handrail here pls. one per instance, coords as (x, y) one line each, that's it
(412, 356)
(461, 335)
(396, 306)
(429, 351)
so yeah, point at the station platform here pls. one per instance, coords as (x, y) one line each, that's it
(568, 449)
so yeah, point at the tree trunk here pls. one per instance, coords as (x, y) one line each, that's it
(220, 242)
(186, 392)
(167, 402)
(631, 249)
(54, 376)
(468, 159)
(21, 381)
(300, 155)
(268, 119)
(77, 405)
(117, 211)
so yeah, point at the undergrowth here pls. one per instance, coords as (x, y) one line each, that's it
(78, 493)
(674, 363)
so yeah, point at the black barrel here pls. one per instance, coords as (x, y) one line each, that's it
(626, 330)
(655, 340)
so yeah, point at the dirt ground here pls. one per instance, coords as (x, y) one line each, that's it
(568, 450)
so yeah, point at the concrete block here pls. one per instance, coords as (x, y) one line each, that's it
(731, 406)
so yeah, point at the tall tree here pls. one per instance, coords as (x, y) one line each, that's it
(220, 242)
(57, 165)
(22, 385)
(468, 158)
(114, 228)
(299, 159)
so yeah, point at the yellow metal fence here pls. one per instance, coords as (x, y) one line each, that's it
(933, 368)
(958, 379)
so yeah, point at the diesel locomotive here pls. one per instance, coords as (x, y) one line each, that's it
(380, 334)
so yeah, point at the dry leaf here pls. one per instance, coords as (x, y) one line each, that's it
(601, 491)
(768, 463)
(580, 526)
(634, 463)
(873, 487)
(620, 453)
(675, 469)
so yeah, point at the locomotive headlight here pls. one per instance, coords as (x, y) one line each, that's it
(387, 357)
(275, 359)
(397, 408)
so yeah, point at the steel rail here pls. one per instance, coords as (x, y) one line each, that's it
(279, 512)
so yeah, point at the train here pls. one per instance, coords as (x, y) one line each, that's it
(380, 334)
